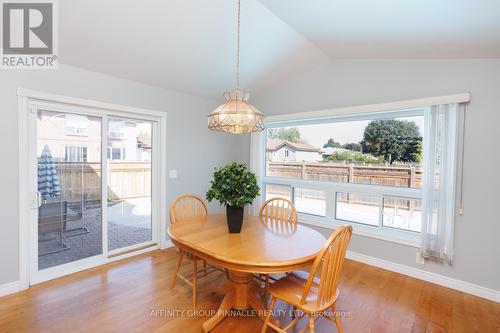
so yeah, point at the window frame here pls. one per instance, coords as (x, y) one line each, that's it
(293, 190)
(329, 221)
(122, 150)
(79, 153)
(258, 160)
(116, 134)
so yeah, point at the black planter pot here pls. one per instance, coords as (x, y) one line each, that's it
(234, 217)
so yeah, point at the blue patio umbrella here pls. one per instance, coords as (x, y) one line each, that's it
(48, 180)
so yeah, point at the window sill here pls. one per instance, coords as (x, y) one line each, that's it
(385, 234)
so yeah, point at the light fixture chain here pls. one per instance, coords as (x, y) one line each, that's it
(236, 115)
(238, 49)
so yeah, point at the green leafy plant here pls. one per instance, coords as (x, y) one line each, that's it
(355, 156)
(233, 185)
(394, 140)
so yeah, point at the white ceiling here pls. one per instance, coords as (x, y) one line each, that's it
(189, 45)
(186, 45)
(396, 28)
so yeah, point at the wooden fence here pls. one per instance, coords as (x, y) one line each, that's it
(125, 180)
(384, 175)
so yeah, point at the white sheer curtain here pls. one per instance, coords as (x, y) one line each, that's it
(438, 197)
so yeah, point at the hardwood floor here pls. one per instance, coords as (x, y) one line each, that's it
(133, 296)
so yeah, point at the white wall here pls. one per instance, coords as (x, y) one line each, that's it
(280, 155)
(356, 82)
(192, 149)
(295, 156)
(308, 156)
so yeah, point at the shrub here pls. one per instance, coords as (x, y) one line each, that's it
(355, 156)
(233, 185)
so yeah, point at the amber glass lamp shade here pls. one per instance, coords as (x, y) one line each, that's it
(236, 115)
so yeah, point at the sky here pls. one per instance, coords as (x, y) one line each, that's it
(343, 132)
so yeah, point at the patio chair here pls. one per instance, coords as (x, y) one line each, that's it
(52, 220)
(77, 215)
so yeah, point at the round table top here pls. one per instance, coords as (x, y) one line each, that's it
(259, 248)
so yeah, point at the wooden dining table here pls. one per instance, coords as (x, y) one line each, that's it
(264, 246)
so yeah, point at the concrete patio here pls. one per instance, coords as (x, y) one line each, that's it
(129, 223)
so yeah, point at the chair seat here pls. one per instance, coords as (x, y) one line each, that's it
(291, 287)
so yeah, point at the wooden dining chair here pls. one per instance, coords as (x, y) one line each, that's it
(313, 293)
(189, 207)
(278, 210)
(278, 214)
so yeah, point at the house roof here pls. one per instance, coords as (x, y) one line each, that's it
(275, 144)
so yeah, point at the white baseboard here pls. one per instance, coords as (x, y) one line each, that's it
(10, 288)
(466, 287)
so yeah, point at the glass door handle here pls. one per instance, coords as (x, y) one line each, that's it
(38, 199)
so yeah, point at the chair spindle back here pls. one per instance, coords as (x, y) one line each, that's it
(328, 266)
(279, 210)
(186, 207)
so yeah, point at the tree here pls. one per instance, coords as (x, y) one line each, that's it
(331, 143)
(291, 134)
(354, 146)
(394, 140)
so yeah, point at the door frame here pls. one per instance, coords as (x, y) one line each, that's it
(28, 199)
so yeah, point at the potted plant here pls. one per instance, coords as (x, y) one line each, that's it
(233, 186)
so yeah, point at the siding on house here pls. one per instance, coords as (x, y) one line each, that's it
(285, 151)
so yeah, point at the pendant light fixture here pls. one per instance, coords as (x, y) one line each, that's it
(236, 115)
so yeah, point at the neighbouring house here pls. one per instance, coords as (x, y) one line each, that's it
(76, 138)
(278, 150)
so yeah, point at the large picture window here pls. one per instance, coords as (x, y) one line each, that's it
(364, 169)
(391, 170)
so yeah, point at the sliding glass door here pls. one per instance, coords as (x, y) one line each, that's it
(129, 152)
(69, 188)
(93, 175)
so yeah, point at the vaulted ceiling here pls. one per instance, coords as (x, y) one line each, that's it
(396, 28)
(189, 45)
